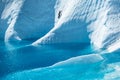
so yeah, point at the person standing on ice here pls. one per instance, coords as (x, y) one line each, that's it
(59, 14)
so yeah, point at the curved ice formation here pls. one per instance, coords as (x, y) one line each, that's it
(58, 44)
(11, 12)
(95, 21)
(68, 69)
(86, 59)
(77, 68)
(24, 23)
(72, 19)
(101, 18)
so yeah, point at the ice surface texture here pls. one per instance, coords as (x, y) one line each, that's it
(92, 21)
(57, 31)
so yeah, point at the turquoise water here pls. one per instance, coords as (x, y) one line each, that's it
(29, 57)
(72, 46)
(58, 62)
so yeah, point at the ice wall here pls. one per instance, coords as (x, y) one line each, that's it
(105, 29)
(102, 19)
(81, 21)
(26, 19)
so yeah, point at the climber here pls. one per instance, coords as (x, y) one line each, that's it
(59, 14)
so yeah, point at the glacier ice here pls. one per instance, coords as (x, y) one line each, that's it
(34, 42)
(70, 69)
(20, 19)
(98, 20)
(77, 68)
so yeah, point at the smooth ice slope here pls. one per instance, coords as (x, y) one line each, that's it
(72, 69)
